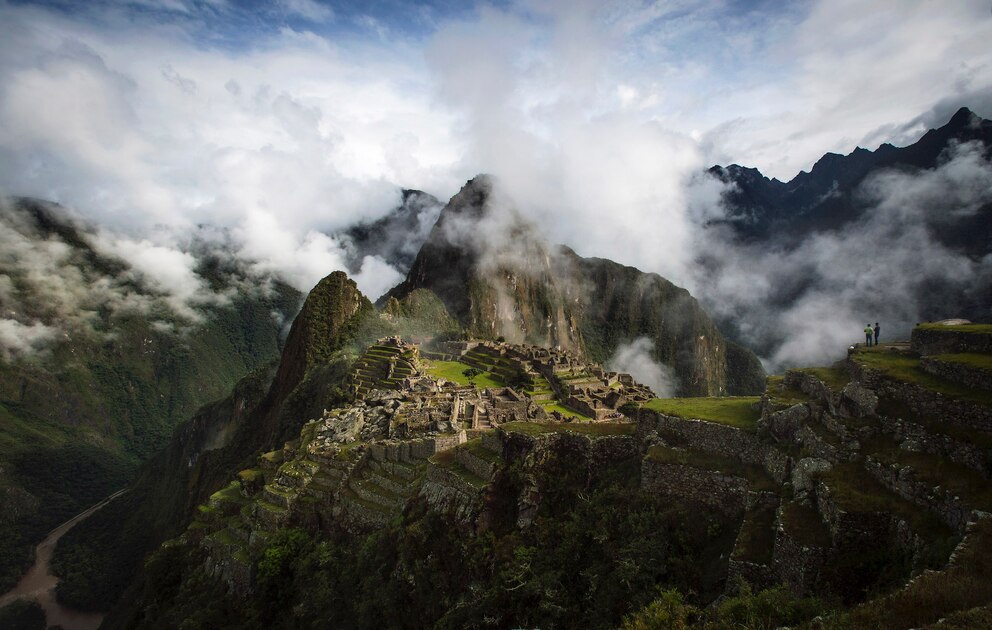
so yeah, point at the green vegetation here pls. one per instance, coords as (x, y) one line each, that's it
(756, 475)
(833, 377)
(551, 405)
(756, 540)
(23, 615)
(980, 361)
(967, 328)
(787, 396)
(855, 490)
(735, 411)
(765, 610)
(805, 525)
(583, 563)
(960, 480)
(454, 371)
(597, 428)
(932, 596)
(906, 367)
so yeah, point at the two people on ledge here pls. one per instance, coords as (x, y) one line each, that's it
(869, 331)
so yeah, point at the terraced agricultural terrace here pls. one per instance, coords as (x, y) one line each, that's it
(844, 481)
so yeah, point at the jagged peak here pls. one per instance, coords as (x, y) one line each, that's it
(962, 117)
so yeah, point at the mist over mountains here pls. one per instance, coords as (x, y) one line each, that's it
(897, 235)
(793, 270)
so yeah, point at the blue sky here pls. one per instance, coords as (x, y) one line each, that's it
(280, 122)
(284, 120)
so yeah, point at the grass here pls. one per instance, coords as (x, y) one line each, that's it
(597, 428)
(899, 409)
(936, 595)
(968, 328)
(476, 448)
(855, 490)
(454, 372)
(756, 540)
(759, 478)
(805, 525)
(446, 459)
(962, 481)
(551, 405)
(734, 411)
(906, 367)
(980, 361)
(775, 387)
(230, 493)
(833, 377)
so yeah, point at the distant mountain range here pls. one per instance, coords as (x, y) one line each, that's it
(826, 198)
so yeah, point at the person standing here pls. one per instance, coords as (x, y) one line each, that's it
(868, 333)
(877, 329)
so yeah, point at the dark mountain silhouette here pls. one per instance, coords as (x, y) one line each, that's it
(825, 198)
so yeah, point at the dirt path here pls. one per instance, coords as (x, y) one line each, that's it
(39, 584)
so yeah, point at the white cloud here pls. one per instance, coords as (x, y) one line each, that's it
(597, 117)
(308, 9)
(635, 358)
(18, 340)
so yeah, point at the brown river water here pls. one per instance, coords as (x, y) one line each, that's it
(39, 584)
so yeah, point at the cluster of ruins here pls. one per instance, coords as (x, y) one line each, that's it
(537, 383)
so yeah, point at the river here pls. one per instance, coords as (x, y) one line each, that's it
(39, 584)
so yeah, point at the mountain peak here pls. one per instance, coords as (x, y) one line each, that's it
(961, 118)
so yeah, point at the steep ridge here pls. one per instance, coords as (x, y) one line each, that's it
(499, 279)
(113, 369)
(763, 209)
(865, 483)
(264, 409)
(396, 237)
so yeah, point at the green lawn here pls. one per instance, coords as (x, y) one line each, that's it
(758, 476)
(775, 388)
(833, 377)
(587, 428)
(735, 411)
(551, 405)
(981, 361)
(855, 490)
(454, 372)
(906, 367)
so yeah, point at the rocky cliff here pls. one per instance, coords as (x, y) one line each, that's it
(498, 278)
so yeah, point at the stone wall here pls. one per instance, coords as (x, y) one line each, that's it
(971, 376)
(598, 453)
(903, 481)
(725, 493)
(446, 492)
(711, 437)
(926, 403)
(948, 341)
(493, 440)
(819, 447)
(759, 576)
(915, 437)
(797, 565)
(784, 424)
(476, 465)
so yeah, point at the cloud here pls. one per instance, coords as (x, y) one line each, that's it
(635, 358)
(17, 339)
(597, 118)
(279, 143)
(307, 9)
(803, 305)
